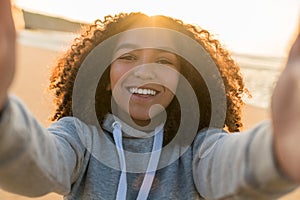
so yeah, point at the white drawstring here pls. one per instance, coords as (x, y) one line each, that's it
(122, 187)
(152, 164)
(151, 168)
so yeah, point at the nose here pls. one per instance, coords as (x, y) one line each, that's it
(145, 72)
(145, 69)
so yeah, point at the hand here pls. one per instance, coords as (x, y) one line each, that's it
(7, 49)
(286, 115)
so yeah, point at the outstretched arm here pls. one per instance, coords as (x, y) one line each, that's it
(33, 160)
(286, 115)
(255, 164)
(7, 49)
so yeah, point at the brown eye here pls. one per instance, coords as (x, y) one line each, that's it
(164, 62)
(128, 57)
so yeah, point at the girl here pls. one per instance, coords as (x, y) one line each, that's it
(141, 108)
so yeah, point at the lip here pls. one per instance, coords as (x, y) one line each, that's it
(140, 98)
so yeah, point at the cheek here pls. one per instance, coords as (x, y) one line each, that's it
(116, 73)
(171, 82)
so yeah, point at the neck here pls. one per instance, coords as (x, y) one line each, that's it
(142, 125)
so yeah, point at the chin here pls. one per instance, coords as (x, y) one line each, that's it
(139, 117)
(155, 119)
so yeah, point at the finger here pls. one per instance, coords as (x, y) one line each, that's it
(7, 48)
(6, 19)
(288, 86)
(287, 91)
(294, 53)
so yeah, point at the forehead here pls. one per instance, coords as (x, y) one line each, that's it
(140, 38)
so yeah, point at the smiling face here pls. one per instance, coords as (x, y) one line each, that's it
(141, 78)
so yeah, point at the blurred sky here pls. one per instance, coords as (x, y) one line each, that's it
(260, 27)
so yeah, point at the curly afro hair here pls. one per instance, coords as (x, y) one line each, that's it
(64, 72)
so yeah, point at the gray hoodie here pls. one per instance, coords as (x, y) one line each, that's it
(80, 161)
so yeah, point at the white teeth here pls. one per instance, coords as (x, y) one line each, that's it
(142, 91)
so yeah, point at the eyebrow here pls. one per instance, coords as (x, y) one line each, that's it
(136, 47)
(127, 46)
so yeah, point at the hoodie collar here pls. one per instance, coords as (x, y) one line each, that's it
(127, 130)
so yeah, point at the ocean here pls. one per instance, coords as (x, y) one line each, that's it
(260, 72)
(260, 75)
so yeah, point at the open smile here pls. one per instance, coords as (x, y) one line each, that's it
(143, 91)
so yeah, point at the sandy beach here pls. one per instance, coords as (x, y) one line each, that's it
(31, 86)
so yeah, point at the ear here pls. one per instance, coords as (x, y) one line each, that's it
(108, 87)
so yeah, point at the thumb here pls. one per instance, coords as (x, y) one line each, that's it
(286, 96)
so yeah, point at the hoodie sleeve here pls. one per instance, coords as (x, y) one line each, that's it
(238, 165)
(35, 160)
